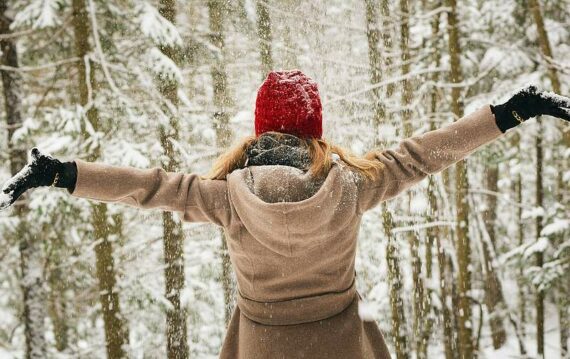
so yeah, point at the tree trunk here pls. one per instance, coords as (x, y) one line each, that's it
(176, 329)
(463, 245)
(442, 259)
(493, 293)
(392, 259)
(116, 331)
(544, 42)
(289, 58)
(264, 33)
(546, 50)
(31, 263)
(434, 234)
(58, 308)
(564, 318)
(539, 300)
(395, 283)
(420, 301)
(375, 62)
(387, 40)
(222, 101)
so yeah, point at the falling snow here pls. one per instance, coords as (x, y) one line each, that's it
(143, 100)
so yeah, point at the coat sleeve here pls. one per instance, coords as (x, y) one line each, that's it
(196, 199)
(416, 157)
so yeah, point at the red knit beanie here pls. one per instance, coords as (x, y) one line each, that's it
(289, 102)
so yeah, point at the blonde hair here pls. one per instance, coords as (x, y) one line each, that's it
(320, 152)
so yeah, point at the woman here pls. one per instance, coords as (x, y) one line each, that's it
(291, 205)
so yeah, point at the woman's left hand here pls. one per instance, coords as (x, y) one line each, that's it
(530, 102)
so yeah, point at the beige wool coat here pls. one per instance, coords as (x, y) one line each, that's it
(292, 241)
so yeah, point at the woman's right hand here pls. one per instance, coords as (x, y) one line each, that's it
(41, 170)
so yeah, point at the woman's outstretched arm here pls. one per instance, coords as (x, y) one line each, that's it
(198, 200)
(418, 156)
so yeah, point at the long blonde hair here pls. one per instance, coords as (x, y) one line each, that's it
(320, 152)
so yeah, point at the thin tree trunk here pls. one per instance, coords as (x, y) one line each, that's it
(564, 318)
(544, 42)
(387, 41)
(173, 237)
(546, 50)
(375, 62)
(116, 331)
(222, 101)
(463, 245)
(493, 294)
(419, 298)
(539, 300)
(264, 33)
(289, 58)
(444, 282)
(32, 283)
(520, 236)
(58, 309)
(434, 234)
(395, 283)
(392, 257)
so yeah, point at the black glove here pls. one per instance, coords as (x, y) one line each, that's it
(527, 103)
(42, 170)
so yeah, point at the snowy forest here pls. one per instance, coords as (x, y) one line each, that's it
(472, 262)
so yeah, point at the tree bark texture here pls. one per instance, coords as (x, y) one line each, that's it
(31, 263)
(394, 272)
(493, 293)
(116, 330)
(546, 49)
(395, 283)
(265, 38)
(374, 60)
(463, 245)
(222, 103)
(539, 257)
(173, 237)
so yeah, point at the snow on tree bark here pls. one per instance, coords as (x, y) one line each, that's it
(222, 102)
(173, 237)
(395, 282)
(493, 293)
(264, 34)
(546, 49)
(539, 256)
(116, 330)
(392, 257)
(31, 261)
(375, 62)
(420, 303)
(463, 245)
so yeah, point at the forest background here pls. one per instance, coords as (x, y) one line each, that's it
(471, 262)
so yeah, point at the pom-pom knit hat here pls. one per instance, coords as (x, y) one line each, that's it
(289, 102)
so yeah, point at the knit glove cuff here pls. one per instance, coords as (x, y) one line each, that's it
(67, 176)
(505, 117)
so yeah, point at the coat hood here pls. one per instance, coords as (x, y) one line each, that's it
(287, 210)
